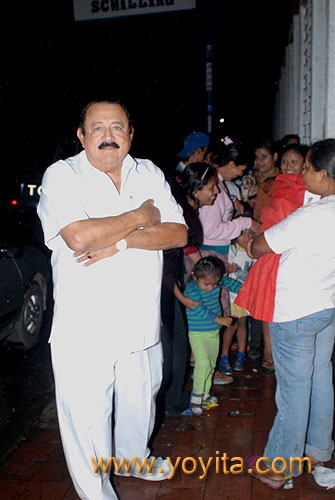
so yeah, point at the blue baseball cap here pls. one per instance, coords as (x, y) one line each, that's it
(192, 142)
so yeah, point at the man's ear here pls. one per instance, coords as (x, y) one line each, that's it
(131, 133)
(275, 157)
(80, 136)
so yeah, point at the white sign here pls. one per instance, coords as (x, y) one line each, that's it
(85, 10)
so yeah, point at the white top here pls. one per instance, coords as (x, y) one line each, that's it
(180, 167)
(306, 273)
(116, 300)
(238, 255)
(233, 189)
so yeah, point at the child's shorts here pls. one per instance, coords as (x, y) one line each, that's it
(237, 311)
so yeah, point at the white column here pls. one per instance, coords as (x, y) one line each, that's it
(296, 77)
(330, 90)
(289, 89)
(283, 101)
(305, 71)
(318, 82)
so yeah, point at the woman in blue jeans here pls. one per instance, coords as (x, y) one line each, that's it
(303, 328)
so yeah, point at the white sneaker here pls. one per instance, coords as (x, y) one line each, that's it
(209, 401)
(160, 469)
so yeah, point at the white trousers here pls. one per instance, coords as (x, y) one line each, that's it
(87, 382)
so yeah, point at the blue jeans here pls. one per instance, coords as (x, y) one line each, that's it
(302, 351)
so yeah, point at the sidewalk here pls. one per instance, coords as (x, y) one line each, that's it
(37, 470)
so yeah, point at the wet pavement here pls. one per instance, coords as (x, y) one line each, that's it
(36, 470)
(26, 387)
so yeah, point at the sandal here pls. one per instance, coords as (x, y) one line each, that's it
(221, 379)
(250, 468)
(225, 365)
(239, 362)
(268, 365)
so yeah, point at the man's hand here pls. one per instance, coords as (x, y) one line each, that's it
(93, 256)
(151, 213)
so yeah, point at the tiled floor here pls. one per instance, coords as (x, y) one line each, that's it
(37, 470)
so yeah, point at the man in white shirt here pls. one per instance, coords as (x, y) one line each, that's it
(106, 217)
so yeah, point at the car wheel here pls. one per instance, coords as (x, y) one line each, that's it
(31, 316)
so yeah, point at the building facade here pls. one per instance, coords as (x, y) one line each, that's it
(305, 97)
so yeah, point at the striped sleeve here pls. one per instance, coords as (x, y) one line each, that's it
(231, 284)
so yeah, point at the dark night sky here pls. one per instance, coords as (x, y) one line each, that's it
(52, 66)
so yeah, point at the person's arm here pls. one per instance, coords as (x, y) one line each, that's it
(215, 228)
(258, 247)
(194, 256)
(186, 301)
(202, 312)
(95, 234)
(232, 285)
(199, 311)
(159, 237)
(239, 207)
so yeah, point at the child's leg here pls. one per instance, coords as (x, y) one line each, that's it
(227, 339)
(212, 347)
(199, 372)
(205, 347)
(268, 360)
(242, 341)
(203, 366)
(242, 333)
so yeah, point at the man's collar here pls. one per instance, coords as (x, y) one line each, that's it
(128, 163)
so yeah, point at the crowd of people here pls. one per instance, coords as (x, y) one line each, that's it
(152, 274)
(270, 229)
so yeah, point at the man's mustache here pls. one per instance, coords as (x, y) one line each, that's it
(108, 145)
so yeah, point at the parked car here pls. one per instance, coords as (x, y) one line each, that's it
(25, 272)
(27, 188)
(25, 279)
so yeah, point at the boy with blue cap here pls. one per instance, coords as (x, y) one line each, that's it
(194, 150)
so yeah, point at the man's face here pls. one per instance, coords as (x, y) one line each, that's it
(107, 139)
(198, 155)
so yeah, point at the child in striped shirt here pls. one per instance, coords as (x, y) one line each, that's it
(204, 323)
